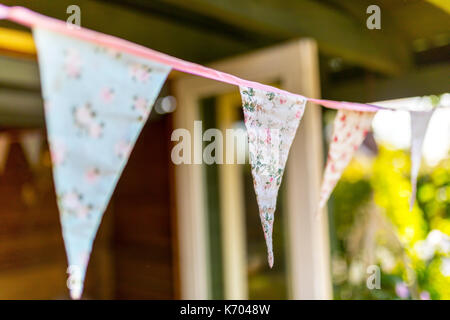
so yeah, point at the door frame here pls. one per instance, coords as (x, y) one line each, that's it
(294, 65)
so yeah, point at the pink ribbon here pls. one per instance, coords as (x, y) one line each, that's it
(32, 19)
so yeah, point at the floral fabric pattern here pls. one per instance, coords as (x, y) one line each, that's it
(271, 120)
(349, 130)
(96, 103)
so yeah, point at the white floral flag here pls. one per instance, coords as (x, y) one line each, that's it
(96, 102)
(419, 125)
(4, 150)
(271, 120)
(350, 129)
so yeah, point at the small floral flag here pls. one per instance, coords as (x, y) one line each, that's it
(96, 102)
(271, 120)
(419, 125)
(350, 129)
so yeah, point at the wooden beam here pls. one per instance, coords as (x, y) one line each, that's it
(20, 95)
(442, 4)
(19, 73)
(21, 108)
(421, 19)
(17, 42)
(141, 27)
(336, 32)
(390, 34)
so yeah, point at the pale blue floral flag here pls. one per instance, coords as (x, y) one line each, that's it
(96, 103)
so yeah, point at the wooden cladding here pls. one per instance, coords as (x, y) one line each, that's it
(132, 254)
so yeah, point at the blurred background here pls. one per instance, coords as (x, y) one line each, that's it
(137, 253)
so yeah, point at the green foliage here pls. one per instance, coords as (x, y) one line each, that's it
(349, 202)
(382, 185)
(392, 189)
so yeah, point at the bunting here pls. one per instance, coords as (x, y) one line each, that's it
(350, 129)
(419, 125)
(271, 120)
(96, 103)
(98, 93)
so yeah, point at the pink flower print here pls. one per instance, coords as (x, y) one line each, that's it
(92, 175)
(140, 73)
(84, 115)
(245, 117)
(57, 152)
(71, 201)
(122, 149)
(298, 115)
(107, 95)
(333, 167)
(282, 101)
(141, 105)
(84, 118)
(82, 212)
(96, 130)
(73, 63)
(268, 136)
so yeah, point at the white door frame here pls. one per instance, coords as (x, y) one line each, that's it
(295, 67)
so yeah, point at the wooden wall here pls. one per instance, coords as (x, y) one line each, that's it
(143, 238)
(132, 256)
(32, 258)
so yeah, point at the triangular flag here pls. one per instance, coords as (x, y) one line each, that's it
(4, 150)
(96, 102)
(271, 120)
(419, 125)
(350, 129)
(31, 143)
